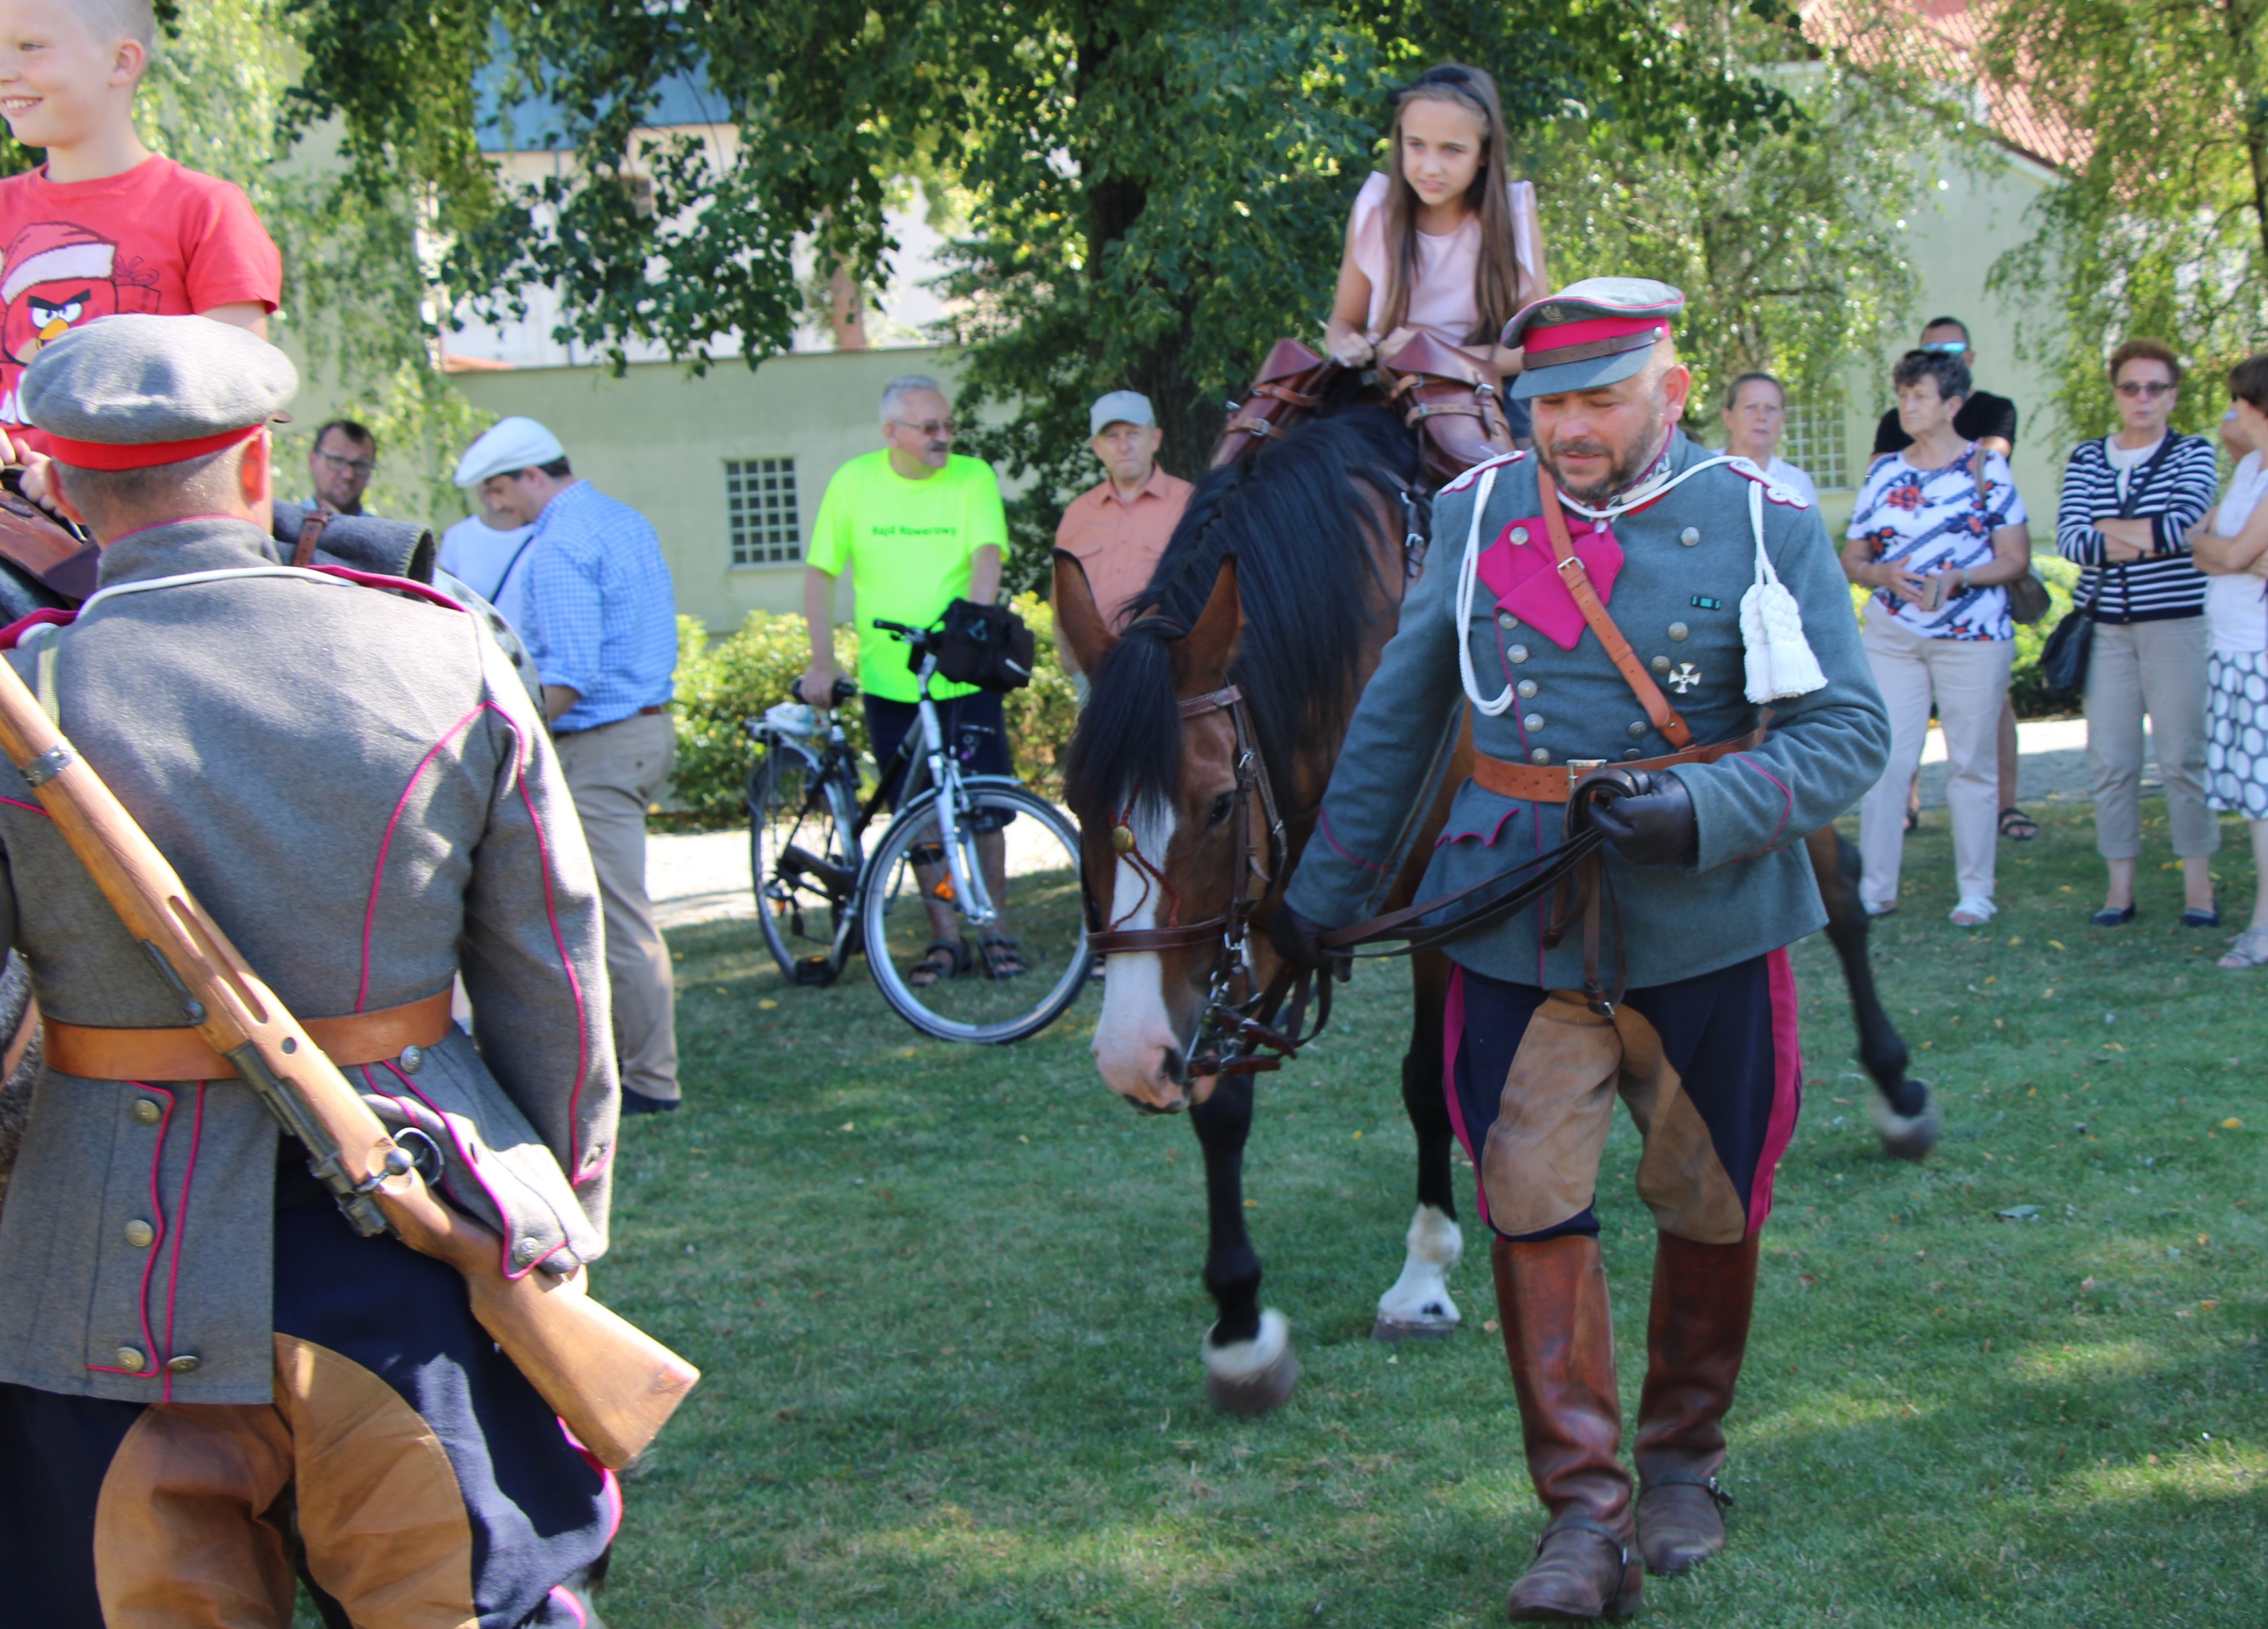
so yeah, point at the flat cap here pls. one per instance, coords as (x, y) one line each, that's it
(132, 391)
(508, 444)
(1120, 407)
(1596, 331)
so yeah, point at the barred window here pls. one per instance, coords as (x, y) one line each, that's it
(759, 511)
(1814, 441)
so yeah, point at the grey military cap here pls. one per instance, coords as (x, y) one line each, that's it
(153, 388)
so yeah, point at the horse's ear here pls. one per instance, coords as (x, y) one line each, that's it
(1202, 658)
(1080, 623)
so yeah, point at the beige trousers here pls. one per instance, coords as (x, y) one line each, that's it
(614, 773)
(2157, 668)
(1970, 680)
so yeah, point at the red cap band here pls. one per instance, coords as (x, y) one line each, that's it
(143, 454)
(1538, 342)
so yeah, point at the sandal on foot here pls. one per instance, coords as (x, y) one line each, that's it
(1974, 912)
(2017, 826)
(1004, 957)
(2251, 949)
(930, 969)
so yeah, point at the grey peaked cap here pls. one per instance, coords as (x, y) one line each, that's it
(133, 379)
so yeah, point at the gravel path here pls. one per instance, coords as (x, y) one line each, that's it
(703, 876)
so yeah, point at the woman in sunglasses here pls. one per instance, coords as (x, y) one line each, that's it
(2129, 501)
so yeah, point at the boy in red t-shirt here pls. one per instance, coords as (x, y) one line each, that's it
(105, 225)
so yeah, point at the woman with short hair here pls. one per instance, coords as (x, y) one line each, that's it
(2230, 546)
(2130, 500)
(1937, 532)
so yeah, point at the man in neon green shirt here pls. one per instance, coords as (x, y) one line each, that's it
(919, 528)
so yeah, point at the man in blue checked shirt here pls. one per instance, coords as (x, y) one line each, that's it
(602, 628)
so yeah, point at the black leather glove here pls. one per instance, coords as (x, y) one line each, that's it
(1300, 942)
(1652, 826)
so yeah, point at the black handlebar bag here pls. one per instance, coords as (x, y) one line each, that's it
(986, 646)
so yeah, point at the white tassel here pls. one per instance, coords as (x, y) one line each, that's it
(1779, 661)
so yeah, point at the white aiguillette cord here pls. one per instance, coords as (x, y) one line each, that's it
(1469, 574)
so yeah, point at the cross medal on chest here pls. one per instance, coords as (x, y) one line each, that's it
(1685, 676)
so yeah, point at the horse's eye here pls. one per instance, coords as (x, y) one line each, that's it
(1223, 806)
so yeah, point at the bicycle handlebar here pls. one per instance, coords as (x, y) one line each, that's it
(920, 638)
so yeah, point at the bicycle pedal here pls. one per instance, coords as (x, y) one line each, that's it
(816, 971)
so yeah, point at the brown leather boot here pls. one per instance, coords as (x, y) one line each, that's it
(1551, 1298)
(1696, 1336)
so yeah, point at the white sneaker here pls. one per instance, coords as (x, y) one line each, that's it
(1978, 912)
(1874, 909)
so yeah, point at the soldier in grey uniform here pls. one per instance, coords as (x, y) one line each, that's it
(1704, 581)
(205, 1375)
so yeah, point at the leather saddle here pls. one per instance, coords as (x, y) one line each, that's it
(58, 558)
(1446, 395)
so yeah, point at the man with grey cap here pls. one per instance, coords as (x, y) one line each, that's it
(599, 617)
(203, 1370)
(1118, 528)
(1566, 590)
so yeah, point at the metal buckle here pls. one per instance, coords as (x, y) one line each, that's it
(1577, 767)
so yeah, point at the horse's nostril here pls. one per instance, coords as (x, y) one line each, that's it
(1173, 1066)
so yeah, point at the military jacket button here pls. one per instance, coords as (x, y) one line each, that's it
(1518, 652)
(1534, 721)
(1527, 689)
(147, 1111)
(1689, 536)
(185, 1364)
(1539, 756)
(1678, 630)
(525, 1251)
(129, 1358)
(1637, 732)
(1519, 535)
(1630, 754)
(140, 1234)
(1661, 664)
(412, 1058)
(1507, 620)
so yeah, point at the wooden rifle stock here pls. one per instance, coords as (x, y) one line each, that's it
(612, 1384)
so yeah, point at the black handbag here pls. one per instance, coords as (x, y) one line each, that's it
(986, 646)
(2063, 659)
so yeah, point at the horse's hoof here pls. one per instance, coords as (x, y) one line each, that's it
(1418, 1306)
(1907, 1136)
(1251, 1377)
(1394, 1331)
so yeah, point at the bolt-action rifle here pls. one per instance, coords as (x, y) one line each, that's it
(612, 1384)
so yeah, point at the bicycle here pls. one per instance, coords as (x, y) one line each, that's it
(821, 898)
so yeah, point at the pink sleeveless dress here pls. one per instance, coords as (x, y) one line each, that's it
(1443, 302)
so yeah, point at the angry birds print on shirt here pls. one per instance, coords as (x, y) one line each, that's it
(54, 277)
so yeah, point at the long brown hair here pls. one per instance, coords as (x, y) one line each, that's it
(1496, 278)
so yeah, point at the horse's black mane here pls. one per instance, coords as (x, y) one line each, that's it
(1296, 518)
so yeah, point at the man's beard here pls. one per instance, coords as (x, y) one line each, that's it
(1621, 474)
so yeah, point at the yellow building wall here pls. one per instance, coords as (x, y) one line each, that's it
(658, 439)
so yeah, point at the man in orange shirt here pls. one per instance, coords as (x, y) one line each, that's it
(1117, 528)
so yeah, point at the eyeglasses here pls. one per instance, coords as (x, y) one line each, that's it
(1947, 346)
(931, 426)
(362, 466)
(2152, 389)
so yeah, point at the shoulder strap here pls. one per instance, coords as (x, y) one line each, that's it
(310, 530)
(1595, 612)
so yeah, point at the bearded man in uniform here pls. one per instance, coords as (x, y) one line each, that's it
(1619, 562)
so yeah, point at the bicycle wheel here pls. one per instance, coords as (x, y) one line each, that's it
(803, 861)
(1020, 840)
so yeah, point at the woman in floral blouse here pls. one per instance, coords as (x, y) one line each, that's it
(1937, 532)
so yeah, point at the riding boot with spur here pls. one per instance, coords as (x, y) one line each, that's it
(1696, 1336)
(1552, 1298)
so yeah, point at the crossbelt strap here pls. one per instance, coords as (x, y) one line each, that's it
(310, 530)
(1595, 612)
(95, 1054)
(1539, 783)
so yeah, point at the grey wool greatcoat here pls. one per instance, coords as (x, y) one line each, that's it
(1688, 558)
(355, 786)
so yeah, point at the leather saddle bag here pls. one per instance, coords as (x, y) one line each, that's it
(1291, 388)
(1453, 401)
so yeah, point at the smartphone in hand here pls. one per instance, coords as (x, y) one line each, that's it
(1933, 591)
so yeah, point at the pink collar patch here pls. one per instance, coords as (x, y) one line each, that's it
(1527, 582)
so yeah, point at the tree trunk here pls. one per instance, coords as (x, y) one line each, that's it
(2243, 19)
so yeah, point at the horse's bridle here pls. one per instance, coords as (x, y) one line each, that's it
(1239, 1020)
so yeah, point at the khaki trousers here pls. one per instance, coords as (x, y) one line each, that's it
(614, 773)
(2156, 667)
(1969, 679)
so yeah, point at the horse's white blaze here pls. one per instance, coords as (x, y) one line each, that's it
(1421, 1294)
(1134, 1033)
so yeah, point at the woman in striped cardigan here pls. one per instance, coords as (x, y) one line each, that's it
(2129, 501)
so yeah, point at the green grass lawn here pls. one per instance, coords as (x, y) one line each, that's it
(947, 1304)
